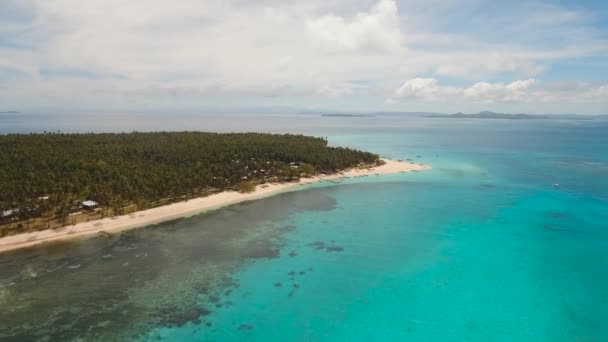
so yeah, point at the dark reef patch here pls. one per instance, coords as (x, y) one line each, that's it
(288, 228)
(548, 227)
(320, 246)
(173, 317)
(262, 250)
(245, 327)
(559, 215)
(201, 288)
(228, 282)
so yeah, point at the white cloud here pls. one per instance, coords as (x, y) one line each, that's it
(599, 93)
(518, 91)
(499, 92)
(197, 50)
(335, 90)
(489, 63)
(520, 85)
(423, 88)
(369, 32)
(277, 15)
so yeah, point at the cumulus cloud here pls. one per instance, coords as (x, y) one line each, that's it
(492, 63)
(335, 90)
(482, 92)
(423, 88)
(376, 30)
(518, 91)
(499, 92)
(599, 93)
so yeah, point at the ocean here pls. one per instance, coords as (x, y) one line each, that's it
(483, 247)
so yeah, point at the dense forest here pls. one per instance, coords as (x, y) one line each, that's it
(50, 174)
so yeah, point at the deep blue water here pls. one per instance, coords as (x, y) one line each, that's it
(480, 248)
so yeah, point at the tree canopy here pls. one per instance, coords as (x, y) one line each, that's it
(49, 173)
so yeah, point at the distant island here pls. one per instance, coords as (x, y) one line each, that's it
(52, 180)
(480, 115)
(362, 114)
(343, 115)
(9, 112)
(493, 115)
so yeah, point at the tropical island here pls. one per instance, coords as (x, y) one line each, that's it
(491, 115)
(111, 182)
(521, 116)
(347, 115)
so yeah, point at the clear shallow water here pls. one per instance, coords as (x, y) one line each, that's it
(481, 248)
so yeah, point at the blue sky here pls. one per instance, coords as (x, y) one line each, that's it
(349, 55)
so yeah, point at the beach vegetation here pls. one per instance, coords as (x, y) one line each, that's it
(45, 177)
(246, 186)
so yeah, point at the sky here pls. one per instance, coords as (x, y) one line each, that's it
(340, 55)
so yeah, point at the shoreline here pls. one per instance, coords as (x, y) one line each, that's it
(111, 225)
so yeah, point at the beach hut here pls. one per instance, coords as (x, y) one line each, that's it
(7, 213)
(89, 205)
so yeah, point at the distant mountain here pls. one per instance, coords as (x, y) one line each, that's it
(486, 114)
(342, 115)
(493, 115)
(9, 112)
(363, 114)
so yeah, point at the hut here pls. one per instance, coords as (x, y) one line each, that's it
(89, 205)
(6, 214)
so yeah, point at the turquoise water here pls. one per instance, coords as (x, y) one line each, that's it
(480, 248)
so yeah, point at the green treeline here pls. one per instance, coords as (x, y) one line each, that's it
(48, 174)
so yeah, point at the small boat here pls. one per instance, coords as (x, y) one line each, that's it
(556, 186)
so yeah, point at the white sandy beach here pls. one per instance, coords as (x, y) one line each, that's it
(184, 209)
